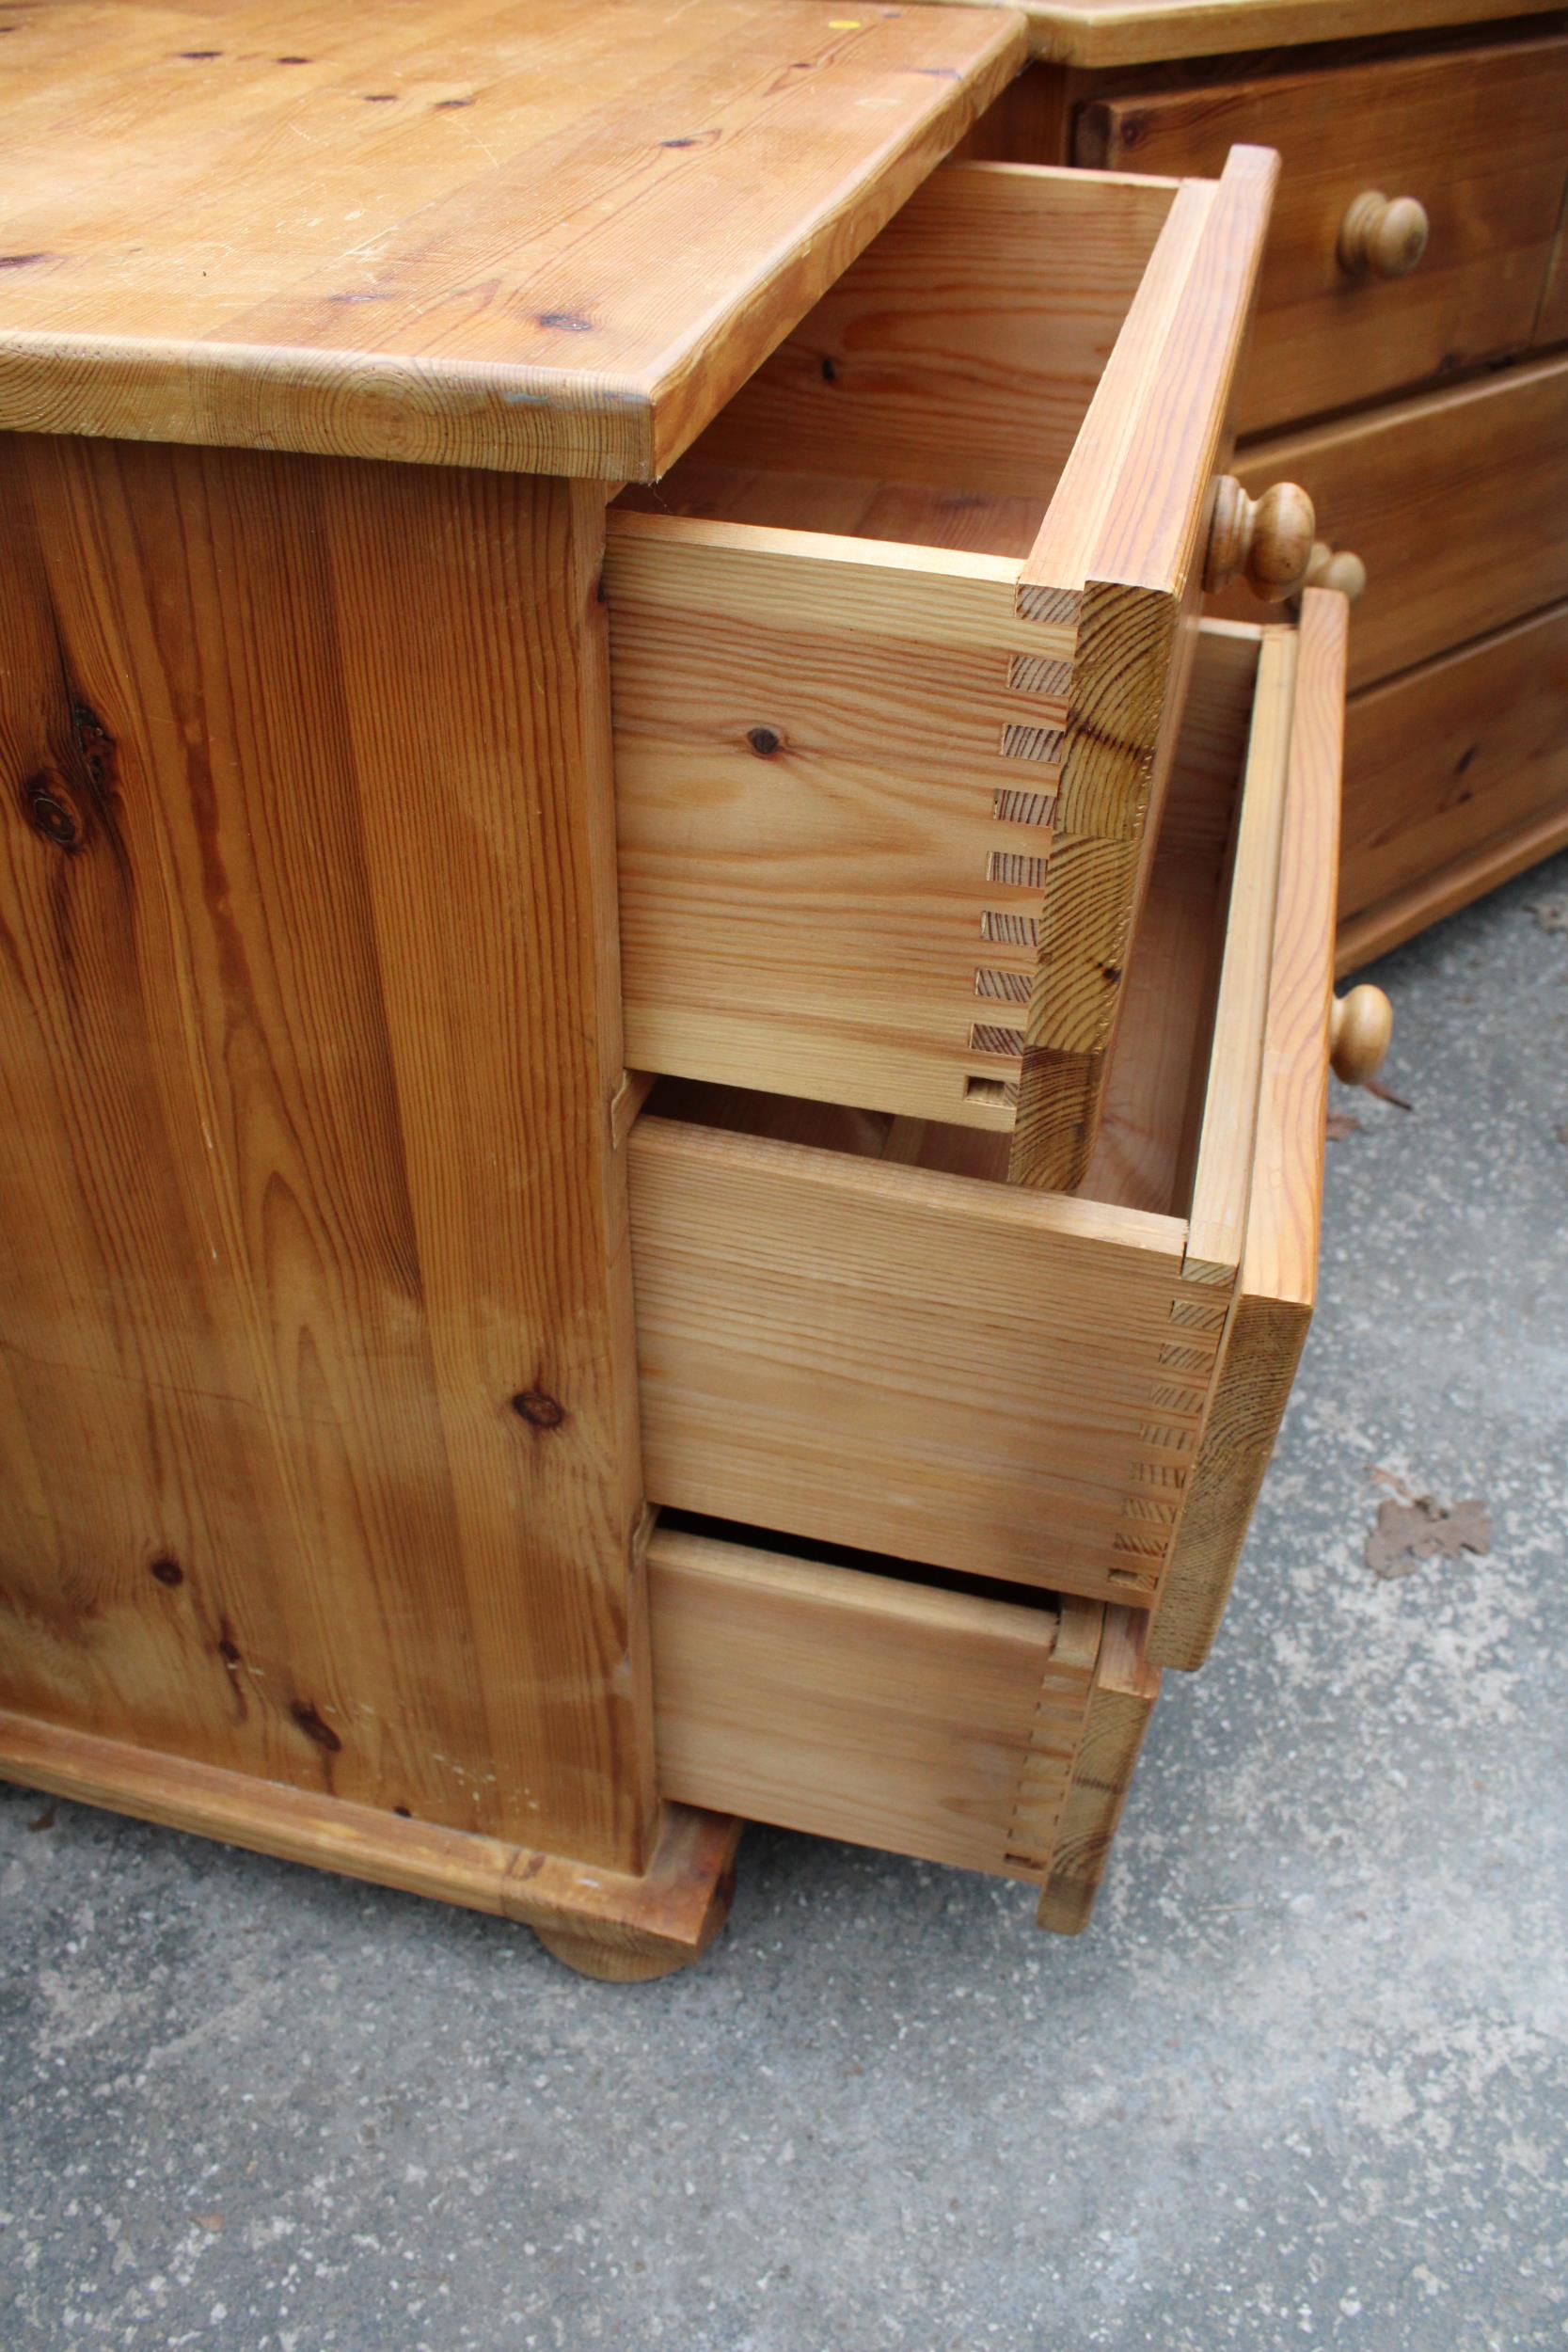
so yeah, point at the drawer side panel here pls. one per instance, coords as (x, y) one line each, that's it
(859, 1707)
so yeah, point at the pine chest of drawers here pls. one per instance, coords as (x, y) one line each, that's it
(665, 1005)
(1407, 370)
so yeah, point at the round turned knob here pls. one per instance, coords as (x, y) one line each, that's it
(1269, 539)
(1385, 235)
(1359, 1028)
(1336, 567)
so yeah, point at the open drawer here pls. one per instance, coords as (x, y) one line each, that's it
(852, 1700)
(852, 1328)
(897, 651)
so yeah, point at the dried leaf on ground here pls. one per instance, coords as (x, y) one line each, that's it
(1405, 1533)
(1341, 1124)
(1551, 914)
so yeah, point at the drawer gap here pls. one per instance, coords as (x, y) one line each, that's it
(829, 1555)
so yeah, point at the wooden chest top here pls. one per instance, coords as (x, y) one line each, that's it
(551, 237)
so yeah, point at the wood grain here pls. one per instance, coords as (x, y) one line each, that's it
(868, 1707)
(966, 344)
(1457, 503)
(1155, 1084)
(1222, 1177)
(1467, 877)
(1125, 1689)
(1272, 1303)
(1140, 32)
(852, 1329)
(958, 1371)
(1447, 761)
(663, 1918)
(852, 870)
(551, 239)
(811, 753)
(318, 1402)
(1120, 554)
(1476, 136)
(1551, 320)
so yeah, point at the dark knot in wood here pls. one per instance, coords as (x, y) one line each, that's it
(539, 1410)
(313, 1727)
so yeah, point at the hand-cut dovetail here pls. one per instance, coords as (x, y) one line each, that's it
(1044, 745)
(1007, 988)
(985, 1037)
(1023, 808)
(1037, 601)
(1017, 931)
(1040, 674)
(999, 1090)
(1009, 865)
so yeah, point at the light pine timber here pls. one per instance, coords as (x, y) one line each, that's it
(603, 1923)
(1450, 772)
(809, 738)
(1145, 1152)
(1456, 502)
(917, 917)
(316, 1357)
(954, 1372)
(1272, 1302)
(1125, 1689)
(1121, 555)
(966, 344)
(553, 238)
(866, 1706)
(1144, 32)
(869, 1351)
(1475, 136)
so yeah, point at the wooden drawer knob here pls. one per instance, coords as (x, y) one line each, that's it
(1385, 236)
(1359, 1028)
(1336, 567)
(1269, 539)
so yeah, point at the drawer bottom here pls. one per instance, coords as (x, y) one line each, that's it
(880, 1705)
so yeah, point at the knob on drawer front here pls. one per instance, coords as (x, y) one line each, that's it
(1268, 539)
(1359, 1030)
(1383, 236)
(1336, 567)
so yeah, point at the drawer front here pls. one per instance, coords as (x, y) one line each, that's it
(876, 1710)
(870, 1351)
(1276, 1285)
(1479, 140)
(1457, 503)
(1450, 771)
(884, 803)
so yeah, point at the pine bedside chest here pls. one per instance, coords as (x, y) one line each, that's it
(664, 1011)
(1409, 368)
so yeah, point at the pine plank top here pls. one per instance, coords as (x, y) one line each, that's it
(1140, 32)
(549, 236)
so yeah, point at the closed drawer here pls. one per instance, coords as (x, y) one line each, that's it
(871, 1706)
(898, 652)
(1479, 140)
(1457, 504)
(851, 1329)
(1456, 776)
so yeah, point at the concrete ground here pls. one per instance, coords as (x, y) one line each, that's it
(1304, 2082)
